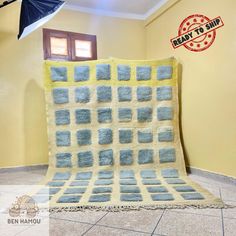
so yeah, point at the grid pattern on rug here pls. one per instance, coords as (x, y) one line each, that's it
(114, 135)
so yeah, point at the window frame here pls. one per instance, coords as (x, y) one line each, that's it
(71, 50)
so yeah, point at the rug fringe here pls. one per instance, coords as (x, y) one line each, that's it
(147, 207)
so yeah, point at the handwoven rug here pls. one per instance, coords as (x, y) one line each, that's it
(114, 138)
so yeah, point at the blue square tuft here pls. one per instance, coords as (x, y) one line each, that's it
(58, 74)
(128, 182)
(81, 73)
(103, 182)
(164, 113)
(104, 115)
(125, 114)
(105, 136)
(74, 190)
(184, 188)
(63, 138)
(69, 199)
(175, 181)
(84, 137)
(144, 114)
(148, 174)
(103, 72)
(126, 157)
(129, 189)
(105, 174)
(143, 72)
(162, 197)
(165, 134)
(124, 94)
(170, 173)
(60, 95)
(164, 72)
(144, 94)
(167, 155)
(123, 72)
(106, 157)
(62, 117)
(125, 135)
(84, 175)
(164, 93)
(102, 190)
(61, 176)
(192, 196)
(79, 183)
(151, 181)
(82, 95)
(127, 174)
(56, 183)
(85, 159)
(131, 197)
(104, 94)
(63, 160)
(145, 136)
(145, 156)
(157, 189)
(100, 198)
(83, 116)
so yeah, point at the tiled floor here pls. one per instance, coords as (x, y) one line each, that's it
(202, 222)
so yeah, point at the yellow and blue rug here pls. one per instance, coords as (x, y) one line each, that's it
(114, 138)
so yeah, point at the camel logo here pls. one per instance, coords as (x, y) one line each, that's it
(24, 211)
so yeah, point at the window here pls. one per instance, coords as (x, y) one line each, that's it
(62, 45)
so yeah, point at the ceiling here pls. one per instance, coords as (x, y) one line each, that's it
(139, 9)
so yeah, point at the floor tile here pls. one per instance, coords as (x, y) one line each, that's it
(229, 227)
(60, 227)
(40, 171)
(39, 230)
(178, 224)
(174, 222)
(228, 194)
(202, 179)
(211, 188)
(20, 178)
(90, 217)
(207, 211)
(143, 220)
(11, 230)
(230, 212)
(106, 231)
